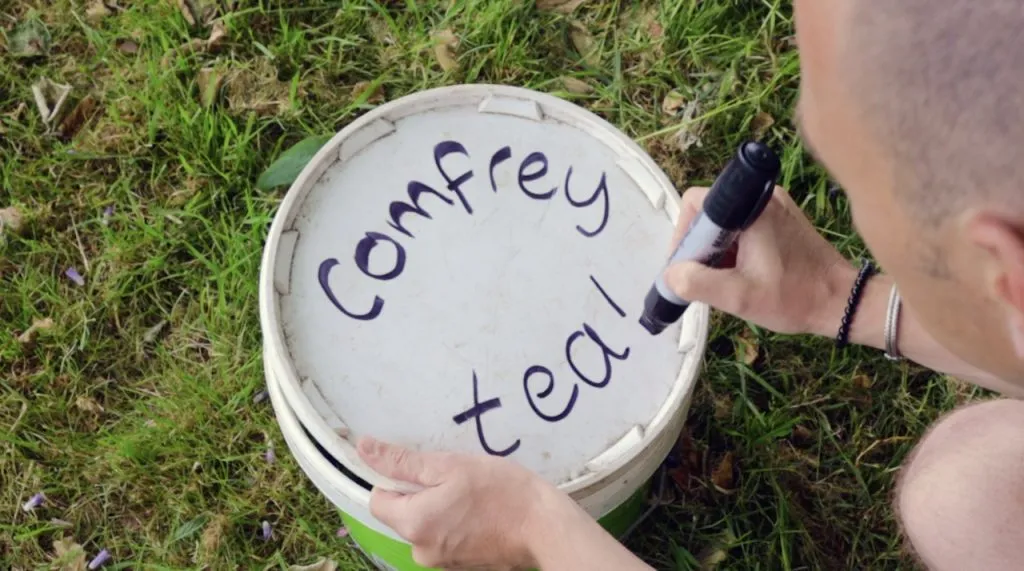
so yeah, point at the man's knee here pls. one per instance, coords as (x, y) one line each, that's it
(961, 497)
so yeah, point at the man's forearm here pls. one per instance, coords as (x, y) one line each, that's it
(868, 328)
(567, 538)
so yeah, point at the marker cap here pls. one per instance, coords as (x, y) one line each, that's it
(743, 189)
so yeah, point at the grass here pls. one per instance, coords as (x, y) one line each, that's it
(145, 437)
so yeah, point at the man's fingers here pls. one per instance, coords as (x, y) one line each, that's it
(391, 508)
(689, 206)
(723, 289)
(400, 463)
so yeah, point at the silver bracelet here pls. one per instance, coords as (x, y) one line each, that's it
(892, 325)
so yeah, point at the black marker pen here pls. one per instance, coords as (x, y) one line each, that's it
(736, 199)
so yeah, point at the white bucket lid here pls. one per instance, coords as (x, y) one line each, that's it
(463, 269)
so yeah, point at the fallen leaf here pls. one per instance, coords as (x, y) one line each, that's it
(188, 10)
(69, 555)
(37, 325)
(153, 332)
(323, 564)
(672, 102)
(368, 92)
(722, 477)
(213, 535)
(78, 117)
(257, 89)
(748, 347)
(88, 404)
(217, 35)
(689, 133)
(29, 39)
(96, 11)
(444, 50)
(127, 47)
(577, 86)
(801, 435)
(654, 28)
(209, 83)
(761, 123)
(723, 407)
(559, 6)
(584, 44)
(287, 167)
(862, 381)
(11, 220)
(50, 98)
(712, 557)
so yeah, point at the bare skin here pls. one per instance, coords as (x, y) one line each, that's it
(960, 498)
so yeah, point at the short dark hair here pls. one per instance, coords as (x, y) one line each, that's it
(941, 84)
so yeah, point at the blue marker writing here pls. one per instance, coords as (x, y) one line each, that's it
(737, 198)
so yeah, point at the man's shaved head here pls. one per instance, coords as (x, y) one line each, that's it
(941, 84)
(916, 107)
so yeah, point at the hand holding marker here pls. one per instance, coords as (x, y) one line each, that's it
(737, 198)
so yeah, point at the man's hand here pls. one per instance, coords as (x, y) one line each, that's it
(482, 512)
(474, 511)
(786, 277)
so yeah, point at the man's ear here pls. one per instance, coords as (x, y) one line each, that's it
(1003, 267)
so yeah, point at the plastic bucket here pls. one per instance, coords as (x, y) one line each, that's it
(462, 269)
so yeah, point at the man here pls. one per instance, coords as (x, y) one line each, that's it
(915, 107)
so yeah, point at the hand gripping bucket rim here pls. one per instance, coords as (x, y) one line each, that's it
(647, 445)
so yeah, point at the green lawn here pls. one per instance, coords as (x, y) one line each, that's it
(134, 410)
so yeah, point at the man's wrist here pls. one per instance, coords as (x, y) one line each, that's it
(868, 323)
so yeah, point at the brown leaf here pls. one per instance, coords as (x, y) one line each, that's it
(258, 90)
(11, 220)
(127, 47)
(78, 117)
(862, 381)
(761, 123)
(213, 535)
(217, 35)
(584, 44)
(362, 88)
(189, 11)
(69, 555)
(722, 477)
(672, 103)
(444, 50)
(209, 83)
(748, 347)
(577, 86)
(559, 6)
(50, 98)
(802, 436)
(323, 564)
(96, 11)
(37, 325)
(154, 332)
(712, 557)
(723, 407)
(655, 29)
(88, 404)
(689, 133)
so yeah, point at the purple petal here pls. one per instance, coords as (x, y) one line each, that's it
(270, 457)
(260, 397)
(100, 560)
(74, 276)
(268, 532)
(342, 532)
(33, 502)
(108, 212)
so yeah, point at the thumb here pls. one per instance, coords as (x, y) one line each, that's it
(722, 288)
(400, 463)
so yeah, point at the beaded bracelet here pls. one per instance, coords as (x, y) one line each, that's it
(867, 270)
